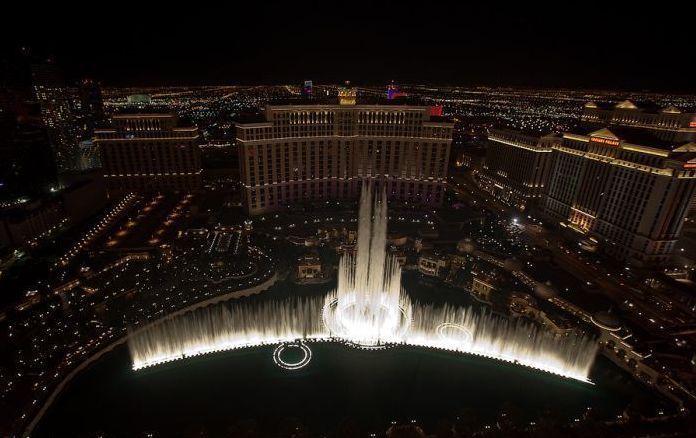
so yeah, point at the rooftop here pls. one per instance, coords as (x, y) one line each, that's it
(636, 136)
(536, 133)
(252, 118)
(642, 106)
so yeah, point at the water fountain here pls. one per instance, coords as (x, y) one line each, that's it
(367, 310)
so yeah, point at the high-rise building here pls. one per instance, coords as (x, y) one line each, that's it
(307, 89)
(149, 153)
(666, 123)
(516, 166)
(92, 105)
(47, 74)
(393, 91)
(347, 95)
(15, 73)
(304, 153)
(60, 109)
(27, 169)
(139, 100)
(88, 158)
(8, 116)
(624, 187)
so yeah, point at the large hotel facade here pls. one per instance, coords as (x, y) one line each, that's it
(149, 153)
(668, 124)
(302, 153)
(627, 187)
(516, 166)
(623, 188)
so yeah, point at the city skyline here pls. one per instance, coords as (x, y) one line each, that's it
(359, 220)
(274, 42)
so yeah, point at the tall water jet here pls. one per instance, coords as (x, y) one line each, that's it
(369, 307)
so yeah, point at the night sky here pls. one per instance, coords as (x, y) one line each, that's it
(188, 43)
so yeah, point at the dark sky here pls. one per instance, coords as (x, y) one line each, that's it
(570, 44)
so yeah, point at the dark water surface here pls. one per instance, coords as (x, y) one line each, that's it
(371, 387)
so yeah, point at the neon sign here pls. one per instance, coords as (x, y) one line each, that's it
(606, 141)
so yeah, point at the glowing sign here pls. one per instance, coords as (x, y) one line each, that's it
(689, 165)
(606, 141)
(692, 124)
(393, 92)
(391, 89)
(436, 110)
(307, 88)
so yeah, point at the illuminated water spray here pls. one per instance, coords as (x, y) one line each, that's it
(368, 307)
(368, 310)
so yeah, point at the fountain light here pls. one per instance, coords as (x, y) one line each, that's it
(368, 310)
(306, 355)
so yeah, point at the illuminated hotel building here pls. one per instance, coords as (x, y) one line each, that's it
(303, 153)
(516, 166)
(60, 107)
(149, 153)
(668, 124)
(624, 188)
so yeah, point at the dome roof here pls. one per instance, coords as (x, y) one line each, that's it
(466, 245)
(626, 104)
(671, 110)
(545, 290)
